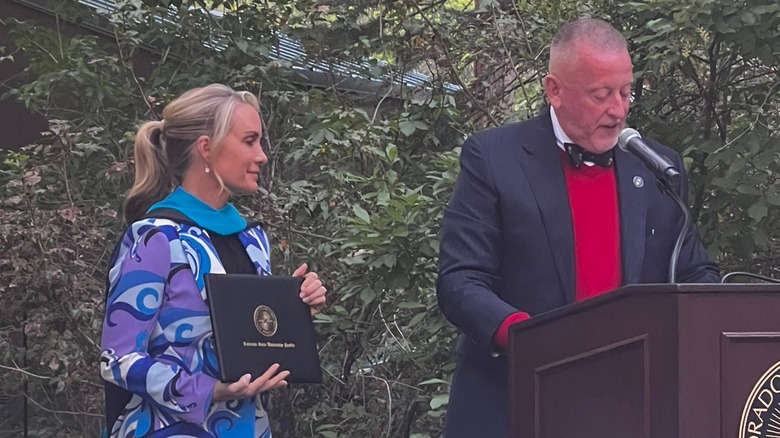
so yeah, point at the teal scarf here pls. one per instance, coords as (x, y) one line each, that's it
(224, 221)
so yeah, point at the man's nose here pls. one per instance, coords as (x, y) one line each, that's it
(618, 107)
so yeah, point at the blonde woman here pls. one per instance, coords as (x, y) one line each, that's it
(157, 351)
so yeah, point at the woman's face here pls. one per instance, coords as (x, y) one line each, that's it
(241, 155)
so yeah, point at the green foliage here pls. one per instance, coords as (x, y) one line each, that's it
(709, 84)
(54, 231)
(357, 181)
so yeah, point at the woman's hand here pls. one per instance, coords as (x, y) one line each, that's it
(312, 291)
(246, 387)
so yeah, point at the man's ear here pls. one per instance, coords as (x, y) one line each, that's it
(552, 88)
(203, 146)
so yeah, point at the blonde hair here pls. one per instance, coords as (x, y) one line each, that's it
(163, 148)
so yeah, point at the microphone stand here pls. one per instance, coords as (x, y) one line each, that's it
(667, 188)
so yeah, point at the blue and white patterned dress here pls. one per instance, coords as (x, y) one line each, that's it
(157, 338)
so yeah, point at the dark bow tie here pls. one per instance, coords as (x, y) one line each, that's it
(577, 155)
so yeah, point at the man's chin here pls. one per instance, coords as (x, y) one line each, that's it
(606, 145)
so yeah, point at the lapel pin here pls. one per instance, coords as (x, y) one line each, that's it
(639, 182)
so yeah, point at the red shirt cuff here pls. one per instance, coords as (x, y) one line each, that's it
(501, 338)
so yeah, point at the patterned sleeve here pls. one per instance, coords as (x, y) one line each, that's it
(137, 290)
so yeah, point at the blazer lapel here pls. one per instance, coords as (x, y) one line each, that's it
(634, 181)
(542, 166)
(256, 244)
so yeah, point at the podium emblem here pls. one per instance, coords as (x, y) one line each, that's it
(761, 416)
(265, 321)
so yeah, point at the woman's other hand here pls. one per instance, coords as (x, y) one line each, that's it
(246, 387)
(312, 290)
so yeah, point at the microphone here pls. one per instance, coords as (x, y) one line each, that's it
(629, 140)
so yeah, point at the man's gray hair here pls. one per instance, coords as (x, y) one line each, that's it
(595, 32)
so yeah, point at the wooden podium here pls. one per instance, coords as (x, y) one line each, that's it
(651, 361)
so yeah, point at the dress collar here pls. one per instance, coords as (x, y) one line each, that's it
(224, 221)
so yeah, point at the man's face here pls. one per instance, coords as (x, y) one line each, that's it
(590, 94)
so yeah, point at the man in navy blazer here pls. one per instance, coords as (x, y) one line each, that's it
(548, 212)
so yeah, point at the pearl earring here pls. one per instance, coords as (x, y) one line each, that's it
(207, 169)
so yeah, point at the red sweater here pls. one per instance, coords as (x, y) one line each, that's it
(596, 220)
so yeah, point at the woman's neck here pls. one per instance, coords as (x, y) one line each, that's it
(207, 190)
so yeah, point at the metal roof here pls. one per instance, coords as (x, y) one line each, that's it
(291, 50)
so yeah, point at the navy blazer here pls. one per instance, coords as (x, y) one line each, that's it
(508, 245)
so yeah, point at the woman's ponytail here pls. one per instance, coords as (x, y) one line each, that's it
(152, 179)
